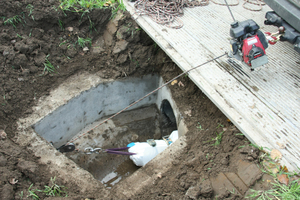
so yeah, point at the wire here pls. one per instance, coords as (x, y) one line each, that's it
(229, 10)
(72, 141)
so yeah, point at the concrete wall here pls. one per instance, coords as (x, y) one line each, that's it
(103, 100)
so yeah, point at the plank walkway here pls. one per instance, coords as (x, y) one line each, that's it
(264, 104)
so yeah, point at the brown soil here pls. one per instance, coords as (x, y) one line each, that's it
(24, 49)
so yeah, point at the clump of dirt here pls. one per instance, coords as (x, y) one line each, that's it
(41, 33)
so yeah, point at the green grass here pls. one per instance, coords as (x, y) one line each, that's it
(61, 25)
(13, 21)
(278, 191)
(217, 139)
(199, 126)
(48, 66)
(86, 6)
(83, 42)
(54, 189)
(32, 193)
(30, 7)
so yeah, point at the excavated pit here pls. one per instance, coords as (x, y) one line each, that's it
(154, 117)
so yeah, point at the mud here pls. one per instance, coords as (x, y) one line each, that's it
(119, 49)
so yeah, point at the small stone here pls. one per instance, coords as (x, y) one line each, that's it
(85, 49)
(13, 41)
(20, 79)
(193, 192)
(13, 181)
(5, 53)
(70, 29)
(3, 135)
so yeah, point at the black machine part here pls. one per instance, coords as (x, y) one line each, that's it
(290, 34)
(241, 30)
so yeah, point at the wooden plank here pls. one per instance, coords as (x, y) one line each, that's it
(264, 104)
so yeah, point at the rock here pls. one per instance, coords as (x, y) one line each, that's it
(134, 137)
(108, 38)
(122, 58)
(111, 27)
(193, 192)
(70, 29)
(206, 189)
(120, 46)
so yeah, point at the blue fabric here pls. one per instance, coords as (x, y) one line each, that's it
(131, 144)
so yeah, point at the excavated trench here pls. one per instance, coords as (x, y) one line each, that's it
(77, 121)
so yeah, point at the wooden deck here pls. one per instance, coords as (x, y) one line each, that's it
(264, 104)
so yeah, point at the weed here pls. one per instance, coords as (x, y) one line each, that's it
(21, 195)
(279, 191)
(30, 8)
(61, 24)
(199, 126)
(220, 125)
(32, 193)
(136, 62)
(240, 134)
(4, 98)
(91, 27)
(48, 66)
(54, 190)
(256, 146)
(217, 139)
(30, 33)
(115, 10)
(13, 21)
(83, 42)
(20, 36)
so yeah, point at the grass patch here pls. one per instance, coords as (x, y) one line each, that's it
(279, 191)
(30, 8)
(85, 6)
(48, 66)
(53, 190)
(13, 21)
(83, 42)
(217, 139)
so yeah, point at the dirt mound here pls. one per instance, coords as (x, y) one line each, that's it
(41, 46)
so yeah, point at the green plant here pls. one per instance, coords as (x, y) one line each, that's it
(21, 195)
(20, 36)
(220, 125)
(13, 21)
(256, 146)
(54, 189)
(83, 42)
(30, 8)
(217, 139)
(199, 126)
(61, 24)
(279, 191)
(32, 193)
(48, 66)
(240, 134)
